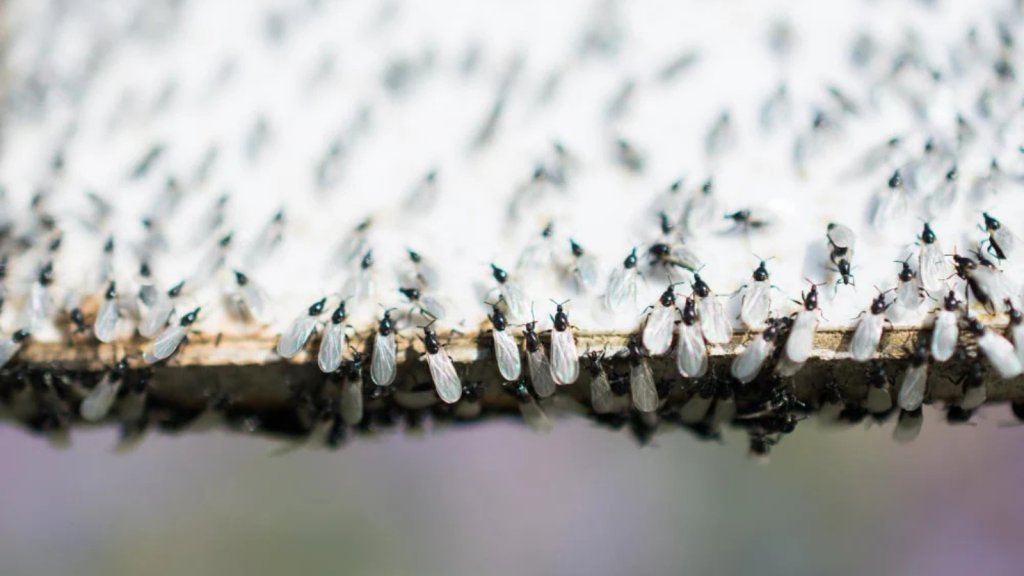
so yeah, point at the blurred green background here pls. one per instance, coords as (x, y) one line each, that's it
(498, 499)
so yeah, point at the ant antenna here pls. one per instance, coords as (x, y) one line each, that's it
(501, 299)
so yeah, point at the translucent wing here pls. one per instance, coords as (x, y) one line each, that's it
(540, 373)
(641, 383)
(507, 354)
(1000, 354)
(933, 269)
(148, 294)
(909, 295)
(537, 256)
(879, 400)
(944, 336)
(534, 415)
(105, 327)
(888, 208)
(360, 286)
(695, 409)
(446, 380)
(686, 258)
(96, 405)
(602, 400)
(801, 337)
(787, 367)
(565, 363)
(165, 344)
(157, 316)
(657, 336)
(622, 290)
(293, 340)
(1008, 242)
(427, 274)
(586, 273)
(351, 402)
(8, 348)
(39, 305)
(434, 307)
(691, 353)
(724, 411)
(942, 198)
(256, 302)
(747, 365)
(908, 427)
(516, 302)
(841, 236)
(866, 337)
(128, 306)
(382, 363)
(713, 321)
(974, 397)
(701, 209)
(995, 285)
(1016, 332)
(756, 305)
(913, 388)
(332, 346)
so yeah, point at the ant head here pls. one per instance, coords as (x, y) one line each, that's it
(548, 230)
(761, 272)
(896, 180)
(878, 305)
(1016, 317)
(410, 293)
(634, 345)
(665, 222)
(976, 327)
(951, 301)
(500, 275)
(906, 273)
(339, 313)
(630, 261)
(927, 234)
(189, 318)
(176, 289)
(963, 261)
(991, 224)
(596, 356)
(699, 286)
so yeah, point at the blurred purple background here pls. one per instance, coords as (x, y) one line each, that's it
(497, 499)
